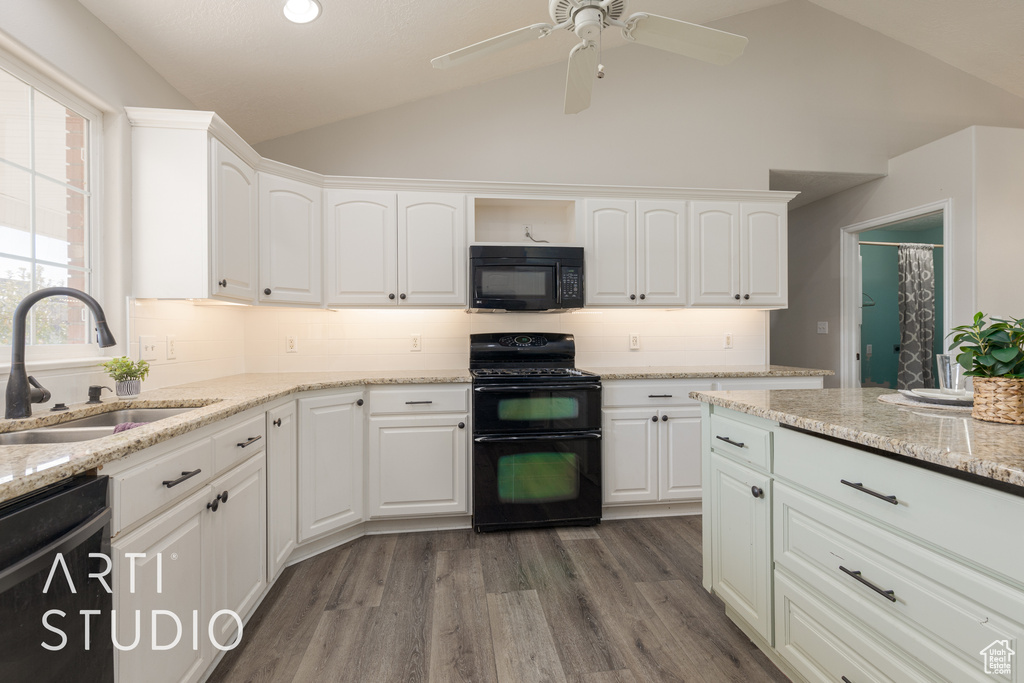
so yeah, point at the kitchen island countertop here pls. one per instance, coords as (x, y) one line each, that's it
(987, 450)
(706, 371)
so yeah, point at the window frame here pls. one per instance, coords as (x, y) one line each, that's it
(45, 356)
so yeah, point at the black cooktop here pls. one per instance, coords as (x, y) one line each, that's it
(501, 356)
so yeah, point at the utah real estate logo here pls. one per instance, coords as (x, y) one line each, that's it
(998, 658)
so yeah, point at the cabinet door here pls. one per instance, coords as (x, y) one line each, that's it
(611, 253)
(418, 465)
(432, 257)
(661, 246)
(239, 543)
(282, 486)
(679, 468)
(361, 241)
(629, 455)
(741, 541)
(714, 253)
(175, 546)
(764, 257)
(330, 464)
(290, 256)
(234, 211)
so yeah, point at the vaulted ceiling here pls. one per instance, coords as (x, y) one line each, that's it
(268, 77)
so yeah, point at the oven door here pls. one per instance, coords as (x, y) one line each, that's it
(501, 284)
(537, 480)
(536, 407)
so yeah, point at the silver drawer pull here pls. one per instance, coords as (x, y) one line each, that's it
(737, 444)
(171, 483)
(251, 441)
(888, 595)
(418, 403)
(659, 395)
(860, 487)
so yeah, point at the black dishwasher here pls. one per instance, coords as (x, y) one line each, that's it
(70, 518)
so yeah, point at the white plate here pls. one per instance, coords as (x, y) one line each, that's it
(939, 396)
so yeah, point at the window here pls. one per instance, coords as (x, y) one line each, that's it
(46, 208)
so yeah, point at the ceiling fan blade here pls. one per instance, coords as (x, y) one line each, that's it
(684, 38)
(579, 83)
(506, 40)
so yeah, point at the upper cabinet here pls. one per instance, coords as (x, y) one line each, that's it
(738, 254)
(636, 253)
(194, 208)
(388, 248)
(290, 225)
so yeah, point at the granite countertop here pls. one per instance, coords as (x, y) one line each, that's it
(986, 449)
(698, 372)
(25, 468)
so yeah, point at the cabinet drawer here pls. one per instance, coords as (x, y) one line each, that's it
(141, 490)
(956, 515)
(237, 443)
(741, 440)
(655, 393)
(940, 611)
(824, 646)
(423, 398)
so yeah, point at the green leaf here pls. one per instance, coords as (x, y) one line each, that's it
(1002, 369)
(966, 360)
(1007, 355)
(986, 360)
(978, 317)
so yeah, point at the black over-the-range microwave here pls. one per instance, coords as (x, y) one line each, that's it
(526, 278)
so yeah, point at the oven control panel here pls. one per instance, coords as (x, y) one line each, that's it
(523, 340)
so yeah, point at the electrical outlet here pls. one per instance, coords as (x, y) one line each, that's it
(172, 343)
(728, 341)
(823, 327)
(291, 343)
(634, 341)
(147, 348)
(417, 342)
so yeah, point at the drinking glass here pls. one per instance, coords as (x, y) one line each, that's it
(951, 374)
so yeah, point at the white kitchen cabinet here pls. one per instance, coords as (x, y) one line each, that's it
(388, 248)
(290, 226)
(418, 452)
(738, 254)
(177, 546)
(636, 253)
(330, 463)
(651, 441)
(194, 208)
(739, 507)
(282, 486)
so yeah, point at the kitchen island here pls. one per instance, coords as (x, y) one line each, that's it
(854, 538)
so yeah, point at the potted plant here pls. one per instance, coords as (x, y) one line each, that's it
(127, 375)
(993, 354)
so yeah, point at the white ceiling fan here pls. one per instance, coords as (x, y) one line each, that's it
(587, 18)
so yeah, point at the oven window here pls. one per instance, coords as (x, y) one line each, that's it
(544, 477)
(522, 282)
(538, 408)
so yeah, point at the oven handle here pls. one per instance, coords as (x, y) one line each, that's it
(490, 389)
(539, 437)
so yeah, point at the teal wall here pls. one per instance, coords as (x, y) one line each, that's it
(881, 322)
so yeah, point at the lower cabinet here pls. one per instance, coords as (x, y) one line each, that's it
(330, 463)
(282, 486)
(740, 512)
(175, 572)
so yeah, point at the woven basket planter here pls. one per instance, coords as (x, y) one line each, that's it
(999, 399)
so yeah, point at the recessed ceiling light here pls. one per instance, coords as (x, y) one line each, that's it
(301, 11)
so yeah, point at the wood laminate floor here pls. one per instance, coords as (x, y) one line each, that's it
(621, 602)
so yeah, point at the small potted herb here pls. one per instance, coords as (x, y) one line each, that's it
(127, 375)
(993, 354)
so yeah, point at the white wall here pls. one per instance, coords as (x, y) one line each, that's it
(813, 92)
(978, 165)
(380, 339)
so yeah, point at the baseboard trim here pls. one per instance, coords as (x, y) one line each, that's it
(652, 510)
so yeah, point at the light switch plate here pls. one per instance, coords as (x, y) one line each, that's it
(728, 341)
(147, 348)
(823, 327)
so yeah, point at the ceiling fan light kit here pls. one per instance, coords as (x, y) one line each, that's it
(587, 19)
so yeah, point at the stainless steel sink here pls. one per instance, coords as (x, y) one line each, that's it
(86, 428)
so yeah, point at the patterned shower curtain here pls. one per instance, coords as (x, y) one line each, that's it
(917, 316)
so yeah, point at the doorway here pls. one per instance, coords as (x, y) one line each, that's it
(878, 280)
(880, 332)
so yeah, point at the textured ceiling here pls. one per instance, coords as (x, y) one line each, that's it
(267, 77)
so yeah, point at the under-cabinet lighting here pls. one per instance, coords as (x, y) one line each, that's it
(301, 11)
